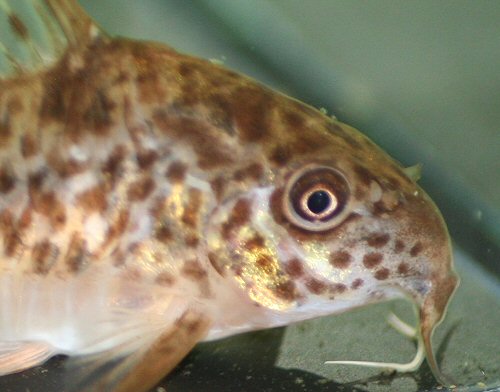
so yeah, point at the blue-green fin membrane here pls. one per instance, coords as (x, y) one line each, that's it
(36, 33)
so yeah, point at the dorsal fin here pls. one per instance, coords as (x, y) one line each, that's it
(36, 33)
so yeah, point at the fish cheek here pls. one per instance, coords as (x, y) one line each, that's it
(240, 253)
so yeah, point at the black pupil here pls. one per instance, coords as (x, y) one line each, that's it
(318, 202)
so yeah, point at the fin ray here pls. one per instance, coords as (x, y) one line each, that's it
(124, 368)
(17, 356)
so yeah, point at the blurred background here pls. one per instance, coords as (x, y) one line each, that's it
(422, 79)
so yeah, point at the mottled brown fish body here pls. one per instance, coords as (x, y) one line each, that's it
(161, 187)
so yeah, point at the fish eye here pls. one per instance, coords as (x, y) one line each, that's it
(316, 198)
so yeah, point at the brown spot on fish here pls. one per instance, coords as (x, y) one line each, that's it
(381, 274)
(399, 246)
(316, 286)
(26, 218)
(165, 279)
(185, 70)
(265, 263)
(93, 199)
(98, 115)
(218, 185)
(49, 205)
(357, 283)
(286, 291)
(191, 210)
(29, 146)
(18, 27)
(337, 288)
(140, 189)
(35, 182)
(11, 235)
(340, 259)
(113, 165)
(378, 240)
(281, 155)
(380, 208)
(43, 256)
(371, 260)
(253, 171)
(255, 243)
(403, 268)
(67, 168)
(294, 268)
(53, 107)
(12, 242)
(198, 135)
(77, 253)
(416, 249)
(117, 227)
(163, 233)
(364, 175)
(251, 111)
(191, 240)
(176, 172)
(7, 180)
(193, 270)
(146, 159)
(240, 214)
(5, 129)
(293, 120)
(220, 112)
